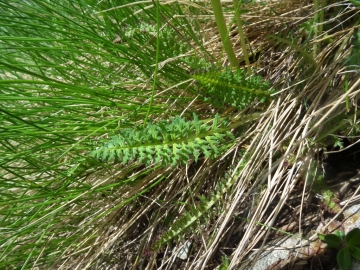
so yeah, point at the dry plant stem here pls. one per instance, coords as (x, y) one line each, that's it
(242, 191)
(339, 101)
(289, 184)
(313, 90)
(305, 164)
(106, 243)
(273, 188)
(221, 24)
(242, 35)
(318, 19)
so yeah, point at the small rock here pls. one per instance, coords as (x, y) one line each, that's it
(183, 251)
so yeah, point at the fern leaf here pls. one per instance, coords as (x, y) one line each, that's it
(222, 88)
(170, 142)
(189, 219)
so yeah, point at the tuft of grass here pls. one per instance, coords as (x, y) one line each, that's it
(65, 83)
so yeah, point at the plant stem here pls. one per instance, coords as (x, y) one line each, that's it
(220, 22)
(156, 60)
(318, 20)
(241, 35)
(346, 89)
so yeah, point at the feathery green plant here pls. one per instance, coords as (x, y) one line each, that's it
(174, 141)
(187, 222)
(169, 142)
(232, 88)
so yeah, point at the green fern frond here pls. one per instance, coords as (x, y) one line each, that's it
(187, 222)
(169, 142)
(232, 87)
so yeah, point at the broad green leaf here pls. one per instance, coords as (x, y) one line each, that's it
(352, 238)
(355, 2)
(333, 240)
(355, 252)
(344, 258)
(321, 236)
(341, 234)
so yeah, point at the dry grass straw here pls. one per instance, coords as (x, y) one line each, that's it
(286, 122)
(287, 127)
(292, 125)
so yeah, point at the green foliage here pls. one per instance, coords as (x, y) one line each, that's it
(146, 31)
(338, 142)
(348, 246)
(199, 64)
(328, 199)
(339, 126)
(224, 33)
(225, 263)
(64, 82)
(169, 142)
(355, 2)
(354, 58)
(232, 87)
(188, 221)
